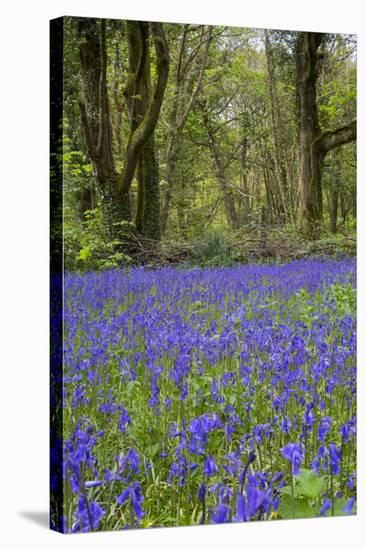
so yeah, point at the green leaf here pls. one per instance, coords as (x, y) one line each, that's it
(84, 253)
(309, 484)
(286, 490)
(130, 386)
(153, 450)
(302, 508)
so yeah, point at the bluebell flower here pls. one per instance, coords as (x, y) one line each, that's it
(256, 499)
(294, 454)
(241, 511)
(309, 418)
(124, 421)
(349, 506)
(202, 492)
(324, 427)
(96, 483)
(277, 477)
(351, 481)
(335, 458)
(131, 461)
(220, 514)
(285, 425)
(136, 498)
(210, 468)
(326, 506)
(87, 512)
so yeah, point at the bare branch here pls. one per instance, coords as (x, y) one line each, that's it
(198, 83)
(331, 139)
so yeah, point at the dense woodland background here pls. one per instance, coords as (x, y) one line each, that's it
(207, 145)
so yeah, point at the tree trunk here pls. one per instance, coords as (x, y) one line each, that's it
(333, 209)
(143, 131)
(174, 146)
(138, 96)
(179, 114)
(244, 179)
(280, 168)
(151, 193)
(343, 209)
(314, 144)
(225, 189)
(96, 123)
(117, 101)
(310, 158)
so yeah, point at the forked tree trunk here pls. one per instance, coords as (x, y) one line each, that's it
(144, 130)
(144, 105)
(333, 209)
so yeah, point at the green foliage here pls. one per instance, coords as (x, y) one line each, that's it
(214, 251)
(309, 485)
(331, 245)
(344, 297)
(88, 247)
(338, 302)
(295, 508)
(303, 499)
(249, 95)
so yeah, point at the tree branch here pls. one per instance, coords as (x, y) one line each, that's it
(181, 53)
(198, 83)
(331, 139)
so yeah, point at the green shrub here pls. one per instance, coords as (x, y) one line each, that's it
(88, 247)
(214, 251)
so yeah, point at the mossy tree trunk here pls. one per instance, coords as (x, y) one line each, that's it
(140, 83)
(144, 106)
(314, 143)
(138, 96)
(95, 117)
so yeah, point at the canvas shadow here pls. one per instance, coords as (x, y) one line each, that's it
(40, 518)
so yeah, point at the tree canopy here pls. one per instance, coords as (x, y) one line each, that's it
(174, 133)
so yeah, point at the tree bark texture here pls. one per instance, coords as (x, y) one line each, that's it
(143, 131)
(314, 144)
(138, 96)
(96, 122)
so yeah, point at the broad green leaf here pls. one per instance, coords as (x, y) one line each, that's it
(309, 484)
(286, 490)
(301, 509)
